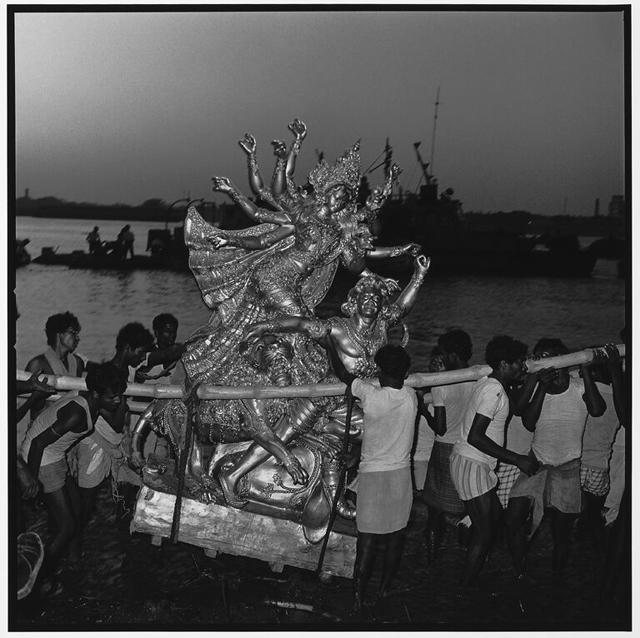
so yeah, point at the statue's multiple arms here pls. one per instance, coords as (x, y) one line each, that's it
(224, 185)
(284, 168)
(253, 242)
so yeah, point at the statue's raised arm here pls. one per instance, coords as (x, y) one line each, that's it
(262, 215)
(408, 296)
(282, 184)
(299, 130)
(278, 181)
(248, 145)
(379, 195)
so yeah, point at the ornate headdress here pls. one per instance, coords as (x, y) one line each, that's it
(346, 171)
(386, 288)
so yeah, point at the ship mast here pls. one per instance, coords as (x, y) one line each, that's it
(433, 134)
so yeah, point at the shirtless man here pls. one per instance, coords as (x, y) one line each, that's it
(165, 330)
(135, 348)
(106, 450)
(53, 432)
(63, 336)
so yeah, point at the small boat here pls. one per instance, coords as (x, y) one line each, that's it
(158, 260)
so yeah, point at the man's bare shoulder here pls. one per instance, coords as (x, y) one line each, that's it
(39, 362)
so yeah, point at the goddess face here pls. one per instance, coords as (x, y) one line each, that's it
(337, 198)
(369, 303)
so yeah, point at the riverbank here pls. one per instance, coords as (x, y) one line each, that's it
(125, 582)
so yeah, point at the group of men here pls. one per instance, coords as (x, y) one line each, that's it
(513, 445)
(505, 448)
(71, 446)
(498, 449)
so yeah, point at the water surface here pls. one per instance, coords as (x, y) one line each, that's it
(581, 312)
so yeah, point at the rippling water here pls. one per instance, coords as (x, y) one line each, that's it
(581, 312)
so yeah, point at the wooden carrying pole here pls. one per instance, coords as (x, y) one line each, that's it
(417, 380)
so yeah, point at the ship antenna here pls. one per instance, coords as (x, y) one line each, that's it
(433, 134)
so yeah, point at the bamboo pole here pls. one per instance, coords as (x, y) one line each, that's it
(416, 380)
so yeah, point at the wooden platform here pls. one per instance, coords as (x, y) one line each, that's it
(217, 528)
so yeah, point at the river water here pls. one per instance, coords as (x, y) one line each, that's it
(581, 312)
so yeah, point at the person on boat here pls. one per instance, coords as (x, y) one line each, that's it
(385, 494)
(449, 405)
(556, 415)
(125, 242)
(480, 446)
(95, 243)
(63, 337)
(44, 449)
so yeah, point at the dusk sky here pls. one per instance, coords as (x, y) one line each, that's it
(122, 107)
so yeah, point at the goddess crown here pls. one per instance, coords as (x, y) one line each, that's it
(346, 171)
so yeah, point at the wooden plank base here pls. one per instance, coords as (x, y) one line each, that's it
(218, 528)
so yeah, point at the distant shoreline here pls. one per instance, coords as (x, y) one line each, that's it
(124, 215)
(488, 222)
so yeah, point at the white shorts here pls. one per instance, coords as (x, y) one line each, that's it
(471, 478)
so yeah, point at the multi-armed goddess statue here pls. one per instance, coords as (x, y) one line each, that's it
(263, 284)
